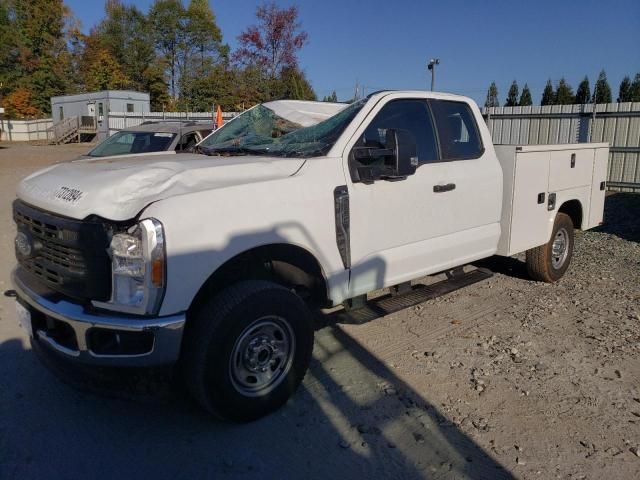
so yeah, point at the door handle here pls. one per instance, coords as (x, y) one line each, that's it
(444, 188)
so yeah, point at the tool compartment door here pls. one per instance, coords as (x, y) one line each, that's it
(530, 217)
(570, 169)
(596, 208)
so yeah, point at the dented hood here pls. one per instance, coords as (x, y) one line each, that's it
(119, 188)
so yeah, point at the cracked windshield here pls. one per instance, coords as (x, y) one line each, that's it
(260, 131)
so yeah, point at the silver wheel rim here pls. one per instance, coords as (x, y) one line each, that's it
(262, 356)
(560, 248)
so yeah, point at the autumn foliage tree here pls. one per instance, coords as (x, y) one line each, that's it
(19, 104)
(273, 43)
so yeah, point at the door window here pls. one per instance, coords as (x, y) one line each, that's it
(411, 115)
(457, 130)
(187, 141)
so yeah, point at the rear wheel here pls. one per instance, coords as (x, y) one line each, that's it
(549, 262)
(247, 350)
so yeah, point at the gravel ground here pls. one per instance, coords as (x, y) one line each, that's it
(507, 378)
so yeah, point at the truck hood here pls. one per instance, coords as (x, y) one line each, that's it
(118, 188)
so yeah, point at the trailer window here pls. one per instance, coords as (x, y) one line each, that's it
(457, 130)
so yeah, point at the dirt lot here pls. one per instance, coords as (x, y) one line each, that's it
(507, 378)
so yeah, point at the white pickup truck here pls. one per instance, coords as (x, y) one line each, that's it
(214, 261)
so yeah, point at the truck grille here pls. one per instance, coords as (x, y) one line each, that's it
(67, 255)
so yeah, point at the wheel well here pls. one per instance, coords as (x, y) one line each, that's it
(288, 265)
(573, 208)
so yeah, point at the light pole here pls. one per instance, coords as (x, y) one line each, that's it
(432, 66)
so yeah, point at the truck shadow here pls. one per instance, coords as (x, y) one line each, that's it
(353, 417)
(622, 216)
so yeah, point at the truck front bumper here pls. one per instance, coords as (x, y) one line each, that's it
(96, 337)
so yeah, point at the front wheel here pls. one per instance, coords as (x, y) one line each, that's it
(247, 350)
(549, 262)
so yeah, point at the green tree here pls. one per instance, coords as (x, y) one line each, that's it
(583, 94)
(202, 51)
(34, 50)
(564, 93)
(635, 88)
(602, 90)
(512, 95)
(331, 98)
(624, 92)
(167, 19)
(548, 96)
(525, 98)
(125, 32)
(492, 96)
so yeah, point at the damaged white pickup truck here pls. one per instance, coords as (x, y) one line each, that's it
(215, 260)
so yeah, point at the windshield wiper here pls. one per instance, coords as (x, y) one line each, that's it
(232, 150)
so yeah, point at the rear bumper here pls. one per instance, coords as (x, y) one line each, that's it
(88, 335)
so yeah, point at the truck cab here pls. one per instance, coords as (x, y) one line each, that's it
(216, 260)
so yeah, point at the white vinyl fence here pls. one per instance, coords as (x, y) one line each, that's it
(24, 130)
(120, 120)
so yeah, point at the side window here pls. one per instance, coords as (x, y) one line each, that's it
(457, 130)
(410, 115)
(187, 141)
(129, 107)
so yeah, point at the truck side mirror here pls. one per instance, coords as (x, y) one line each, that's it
(405, 151)
(397, 160)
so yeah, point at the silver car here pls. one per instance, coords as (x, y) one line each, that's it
(150, 137)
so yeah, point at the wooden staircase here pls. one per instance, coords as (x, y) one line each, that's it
(71, 129)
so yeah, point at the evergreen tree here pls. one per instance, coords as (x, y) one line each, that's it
(583, 95)
(564, 93)
(548, 96)
(492, 96)
(525, 98)
(602, 90)
(167, 19)
(624, 93)
(512, 96)
(635, 88)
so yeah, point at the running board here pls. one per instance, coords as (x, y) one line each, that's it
(391, 303)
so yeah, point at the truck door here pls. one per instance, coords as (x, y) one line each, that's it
(445, 214)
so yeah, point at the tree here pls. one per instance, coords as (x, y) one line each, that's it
(167, 19)
(201, 52)
(331, 98)
(564, 93)
(273, 43)
(19, 104)
(602, 90)
(125, 32)
(525, 98)
(35, 55)
(624, 93)
(492, 96)
(548, 97)
(103, 72)
(635, 88)
(583, 94)
(512, 95)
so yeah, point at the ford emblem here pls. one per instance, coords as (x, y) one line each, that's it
(23, 244)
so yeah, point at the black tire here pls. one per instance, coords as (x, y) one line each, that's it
(543, 263)
(239, 318)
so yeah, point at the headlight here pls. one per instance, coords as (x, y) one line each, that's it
(137, 269)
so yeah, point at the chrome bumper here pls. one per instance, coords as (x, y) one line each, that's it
(167, 331)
